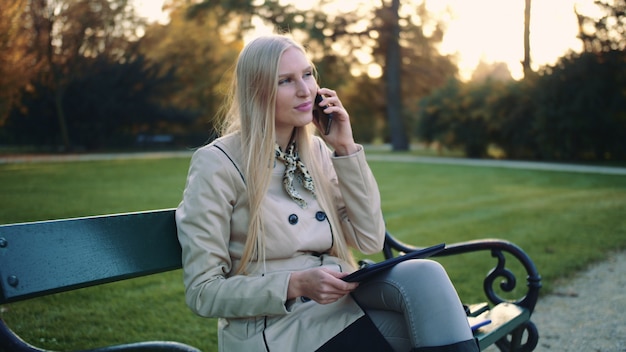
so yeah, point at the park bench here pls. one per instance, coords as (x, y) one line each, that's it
(47, 257)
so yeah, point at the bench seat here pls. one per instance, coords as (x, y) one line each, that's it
(48, 257)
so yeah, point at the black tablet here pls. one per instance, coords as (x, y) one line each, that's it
(369, 271)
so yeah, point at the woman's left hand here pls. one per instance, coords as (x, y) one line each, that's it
(340, 136)
(319, 284)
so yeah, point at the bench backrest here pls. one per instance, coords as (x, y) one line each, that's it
(45, 257)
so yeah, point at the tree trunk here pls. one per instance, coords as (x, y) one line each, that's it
(60, 112)
(526, 62)
(43, 19)
(393, 61)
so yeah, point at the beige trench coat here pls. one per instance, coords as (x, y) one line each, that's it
(212, 222)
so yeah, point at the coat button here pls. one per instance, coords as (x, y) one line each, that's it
(320, 216)
(293, 219)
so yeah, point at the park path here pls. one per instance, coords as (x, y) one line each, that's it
(587, 312)
(528, 165)
(510, 164)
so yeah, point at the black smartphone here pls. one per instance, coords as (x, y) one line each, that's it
(325, 120)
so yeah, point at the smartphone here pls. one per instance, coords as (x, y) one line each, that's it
(325, 120)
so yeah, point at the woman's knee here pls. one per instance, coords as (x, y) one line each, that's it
(408, 281)
(425, 269)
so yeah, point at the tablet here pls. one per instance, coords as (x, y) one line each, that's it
(369, 271)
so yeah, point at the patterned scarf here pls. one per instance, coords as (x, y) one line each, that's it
(294, 169)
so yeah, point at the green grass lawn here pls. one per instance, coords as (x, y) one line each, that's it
(563, 220)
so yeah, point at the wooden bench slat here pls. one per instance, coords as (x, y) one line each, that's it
(52, 256)
(504, 317)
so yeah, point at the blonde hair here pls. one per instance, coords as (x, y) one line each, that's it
(251, 113)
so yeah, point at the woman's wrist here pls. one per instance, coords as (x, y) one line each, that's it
(345, 150)
(292, 288)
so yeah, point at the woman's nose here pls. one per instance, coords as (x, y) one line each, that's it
(302, 89)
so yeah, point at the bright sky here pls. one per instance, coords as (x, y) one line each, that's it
(488, 30)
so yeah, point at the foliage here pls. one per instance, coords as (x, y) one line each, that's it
(606, 33)
(200, 53)
(366, 107)
(459, 116)
(65, 31)
(513, 129)
(16, 64)
(437, 114)
(106, 106)
(581, 108)
(346, 42)
(55, 52)
(89, 87)
(414, 69)
(572, 111)
(496, 71)
(75, 74)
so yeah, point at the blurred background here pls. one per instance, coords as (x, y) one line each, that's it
(517, 79)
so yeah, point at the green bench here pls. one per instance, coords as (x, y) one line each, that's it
(48, 257)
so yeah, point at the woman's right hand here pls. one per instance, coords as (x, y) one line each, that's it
(340, 137)
(319, 284)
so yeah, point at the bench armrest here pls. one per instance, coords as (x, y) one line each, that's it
(498, 248)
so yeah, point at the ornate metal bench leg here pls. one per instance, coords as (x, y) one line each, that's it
(11, 342)
(516, 344)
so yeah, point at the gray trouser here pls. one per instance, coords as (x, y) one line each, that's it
(414, 304)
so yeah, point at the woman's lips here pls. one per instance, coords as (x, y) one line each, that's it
(305, 106)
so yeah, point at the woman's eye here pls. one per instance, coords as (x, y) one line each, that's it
(285, 80)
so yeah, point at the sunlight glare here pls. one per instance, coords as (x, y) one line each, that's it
(487, 30)
(152, 10)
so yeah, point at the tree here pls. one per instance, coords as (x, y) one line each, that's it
(437, 114)
(200, 53)
(526, 63)
(498, 71)
(393, 76)
(16, 64)
(513, 123)
(92, 88)
(62, 32)
(581, 104)
(105, 106)
(606, 33)
(411, 61)
(398, 42)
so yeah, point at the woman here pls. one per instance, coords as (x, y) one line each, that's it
(269, 215)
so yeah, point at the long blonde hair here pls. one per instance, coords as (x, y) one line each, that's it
(251, 113)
